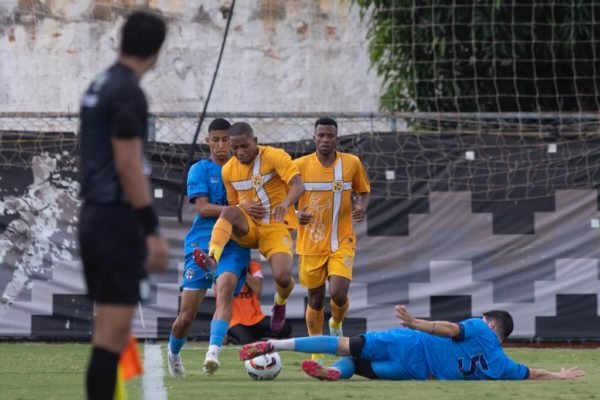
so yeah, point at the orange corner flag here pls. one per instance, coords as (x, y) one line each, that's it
(130, 361)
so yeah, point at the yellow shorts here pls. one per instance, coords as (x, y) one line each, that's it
(267, 238)
(314, 270)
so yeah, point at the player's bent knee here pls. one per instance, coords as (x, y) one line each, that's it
(316, 304)
(316, 300)
(230, 213)
(339, 298)
(113, 340)
(283, 280)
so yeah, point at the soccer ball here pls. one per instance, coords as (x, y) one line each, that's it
(265, 367)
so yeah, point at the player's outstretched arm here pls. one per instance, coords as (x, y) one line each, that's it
(296, 191)
(439, 328)
(563, 374)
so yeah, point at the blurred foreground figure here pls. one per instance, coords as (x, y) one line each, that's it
(118, 229)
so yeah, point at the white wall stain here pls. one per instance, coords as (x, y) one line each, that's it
(280, 56)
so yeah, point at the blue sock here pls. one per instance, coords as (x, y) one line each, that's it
(345, 365)
(175, 344)
(218, 330)
(317, 344)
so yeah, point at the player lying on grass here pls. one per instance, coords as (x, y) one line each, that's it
(469, 350)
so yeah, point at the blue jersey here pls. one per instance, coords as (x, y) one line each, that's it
(204, 180)
(476, 354)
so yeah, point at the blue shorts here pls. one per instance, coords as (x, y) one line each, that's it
(396, 354)
(236, 262)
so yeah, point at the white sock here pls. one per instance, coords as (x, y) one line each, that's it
(213, 348)
(284, 344)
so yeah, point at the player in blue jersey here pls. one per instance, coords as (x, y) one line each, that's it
(469, 350)
(206, 191)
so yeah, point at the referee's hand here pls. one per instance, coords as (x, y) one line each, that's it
(158, 254)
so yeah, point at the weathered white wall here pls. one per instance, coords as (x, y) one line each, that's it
(294, 55)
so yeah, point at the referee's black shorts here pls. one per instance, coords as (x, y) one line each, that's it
(113, 251)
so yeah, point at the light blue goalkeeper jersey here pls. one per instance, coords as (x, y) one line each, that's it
(476, 355)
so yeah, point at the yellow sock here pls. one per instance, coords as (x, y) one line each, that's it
(281, 297)
(314, 325)
(338, 313)
(215, 251)
(221, 234)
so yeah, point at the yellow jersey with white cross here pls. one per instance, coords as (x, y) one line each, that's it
(264, 181)
(328, 196)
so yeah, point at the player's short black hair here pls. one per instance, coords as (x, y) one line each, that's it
(241, 128)
(504, 321)
(219, 124)
(326, 121)
(143, 34)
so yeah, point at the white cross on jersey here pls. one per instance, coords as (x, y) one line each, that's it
(337, 186)
(257, 182)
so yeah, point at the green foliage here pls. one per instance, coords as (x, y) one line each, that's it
(486, 55)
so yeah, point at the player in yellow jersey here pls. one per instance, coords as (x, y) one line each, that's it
(265, 183)
(326, 239)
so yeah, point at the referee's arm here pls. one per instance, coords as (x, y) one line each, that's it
(128, 165)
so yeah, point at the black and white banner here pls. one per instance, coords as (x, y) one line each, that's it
(449, 239)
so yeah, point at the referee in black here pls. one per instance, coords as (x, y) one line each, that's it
(118, 229)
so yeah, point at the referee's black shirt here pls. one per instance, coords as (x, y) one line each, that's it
(114, 105)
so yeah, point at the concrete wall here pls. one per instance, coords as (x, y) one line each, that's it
(295, 55)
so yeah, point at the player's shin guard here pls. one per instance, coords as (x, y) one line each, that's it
(282, 294)
(314, 324)
(101, 376)
(338, 313)
(317, 344)
(346, 367)
(221, 234)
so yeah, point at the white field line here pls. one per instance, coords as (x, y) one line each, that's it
(153, 383)
(192, 347)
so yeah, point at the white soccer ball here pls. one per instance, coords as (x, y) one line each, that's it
(265, 367)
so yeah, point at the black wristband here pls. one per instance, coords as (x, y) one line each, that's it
(148, 219)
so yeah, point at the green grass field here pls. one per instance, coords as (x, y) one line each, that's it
(56, 371)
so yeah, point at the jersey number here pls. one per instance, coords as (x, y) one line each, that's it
(478, 359)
